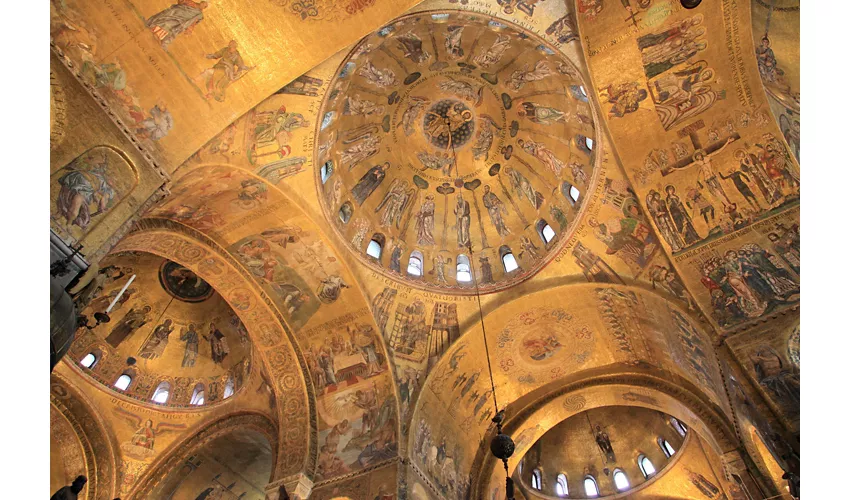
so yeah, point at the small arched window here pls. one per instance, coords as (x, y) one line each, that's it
(621, 481)
(326, 170)
(123, 382)
(666, 447)
(508, 259)
(345, 212)
(681, 428)
(589, 143)
(414, 264)
(536, 479)
(376, 246)
(646, 467)
(197, 395)
(463, 270)
(581, 89)
(327, 120)
(89, 360)
(228, 388)
(561, 486)
(590, 487)
(545, 231)
(574, 194)
(160, 395)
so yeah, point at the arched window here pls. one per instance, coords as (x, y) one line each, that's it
(89, 360)
(545, 231)
(327, 120)
(574, 194)
(666, 447)
(414, 264)
(376, 246)
(621, 481)
(681, 428)
(581, 89)
(536, 480)
(228, 388)
(646, 467)
(197, 395)
(160, 395)
(561, 486)
(326, 170)
(508, 259)
(345, 212)
(123, 382)
(463, 270)
(589, 143)
(570, 192)
(590, 488)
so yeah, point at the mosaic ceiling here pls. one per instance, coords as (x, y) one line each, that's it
(445, 130)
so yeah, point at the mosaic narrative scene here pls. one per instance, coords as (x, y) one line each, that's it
(425, 250)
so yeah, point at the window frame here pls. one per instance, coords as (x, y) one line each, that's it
(198, 393)
(537, 476)
(628, 485)
(417, 256)
(121, 377)
(91, 365)
(463, 260)
(379, 242)
(562, 484)
(666, 447)
(595, 486)
(642, 467)
(163, 387)
(326, 170)
(230, 385)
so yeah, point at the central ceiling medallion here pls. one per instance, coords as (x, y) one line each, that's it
(448, 130)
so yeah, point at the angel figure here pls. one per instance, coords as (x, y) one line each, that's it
(360, 151)
(140, 445)
(484, 138)
(543, 154)
(453, 42)
(440, 267)
(464, 90)
(494, 54)
(411, 45)
(357, 106)
(522, 76)
(395, 203)
(415, 105)
(379, 78)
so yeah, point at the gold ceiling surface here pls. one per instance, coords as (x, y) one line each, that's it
(175, 326)
(446, 129)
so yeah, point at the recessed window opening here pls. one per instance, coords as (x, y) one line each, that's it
(326, 170)
(681, 428)
(561, 486)
(463, 270)
(574, 194)
(160, 395)
(581, 89)
(589, 143)
(666, 447)
(509, 261)
(621, 481)
(375, 247)
(590, 488)
(89, 360)
(545, 231)
(197, 395)
(536, 479)
(646, 466)
(414, 264)
(123, 382)
(228, 388)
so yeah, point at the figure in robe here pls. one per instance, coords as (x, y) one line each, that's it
(463, 219)
(144, 436)
(425, 221)
(528, 248)
(132, 321)
(462, 89)
(497, 211)
(522, 76)
(544, 115)
(453, 42)
(360, 151)
(411, 45)
(229, 68)
(157, 342)
(661, 215)
(624, 98)
(679, 214)
(369, 182)
(523, 188)
(181, 17)
(218, 344)
(330, 288)
(768, 69)
(158, 124)
(395, 203)
(782, 383)
(415, 105)
(190, 353)
(604, 443)
(494, 54)
(440, 267)
(357, 106)
(543, 154)
(85, 192)
(379, 78)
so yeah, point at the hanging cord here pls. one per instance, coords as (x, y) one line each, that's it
(475, 280)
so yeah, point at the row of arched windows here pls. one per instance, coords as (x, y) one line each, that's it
(163, 390)
(415, 263)
(621, 480)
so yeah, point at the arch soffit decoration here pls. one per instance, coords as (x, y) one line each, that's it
(633, 384)
(99, 445)
(284, 364)
(200, 435)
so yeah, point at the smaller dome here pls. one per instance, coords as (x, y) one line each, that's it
(171, 340)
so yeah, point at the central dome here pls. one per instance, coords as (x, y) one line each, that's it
(454, 149)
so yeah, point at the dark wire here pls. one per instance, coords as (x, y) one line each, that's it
(474, 279)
